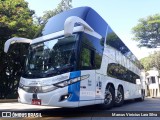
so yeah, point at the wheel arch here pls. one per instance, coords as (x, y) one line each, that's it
(120, 85)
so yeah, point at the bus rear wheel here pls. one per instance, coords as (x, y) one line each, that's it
(109, 97)
(119, 100)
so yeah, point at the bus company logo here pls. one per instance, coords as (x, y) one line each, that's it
(32, 83)
(6, 114)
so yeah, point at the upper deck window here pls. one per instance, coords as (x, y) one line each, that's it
(114, 41)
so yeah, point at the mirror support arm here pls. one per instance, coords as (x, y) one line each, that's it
(15, 40)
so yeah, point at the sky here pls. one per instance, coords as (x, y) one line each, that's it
(121, 15)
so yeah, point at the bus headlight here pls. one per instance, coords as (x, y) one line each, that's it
(26, 88)
(21, 85)
(48, 88)
(71, 81)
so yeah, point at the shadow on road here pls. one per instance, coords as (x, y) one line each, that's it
(86, 111)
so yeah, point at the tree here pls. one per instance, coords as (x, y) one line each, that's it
(62, 6)
(156, 60)
(15, 20)
(146, 62)
(151, 61)
(147, 31)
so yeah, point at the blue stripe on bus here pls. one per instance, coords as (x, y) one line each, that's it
(74, 89)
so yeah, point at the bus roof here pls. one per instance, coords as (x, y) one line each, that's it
(90, 16)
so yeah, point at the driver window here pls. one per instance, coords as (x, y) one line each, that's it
(87, 58)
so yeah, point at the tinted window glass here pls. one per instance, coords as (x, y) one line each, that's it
(52, 57)
(93, 42)
(114, 41)
(98, 60)
(95, 46)
(120, 72)
(86, 55)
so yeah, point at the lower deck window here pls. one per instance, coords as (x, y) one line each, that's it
(118, 71)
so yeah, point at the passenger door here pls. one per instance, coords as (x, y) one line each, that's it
(87, 88)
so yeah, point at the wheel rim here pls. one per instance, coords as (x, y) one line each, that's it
(108, 97)
(119, 97)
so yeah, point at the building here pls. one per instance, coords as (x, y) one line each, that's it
(152, 83)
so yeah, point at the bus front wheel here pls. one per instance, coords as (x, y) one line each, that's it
(109, 98)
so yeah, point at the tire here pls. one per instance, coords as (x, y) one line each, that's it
(109, 98)
(119, 99)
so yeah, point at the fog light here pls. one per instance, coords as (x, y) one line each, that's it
(64, 97)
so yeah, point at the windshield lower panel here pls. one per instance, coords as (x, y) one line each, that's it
(52, 57)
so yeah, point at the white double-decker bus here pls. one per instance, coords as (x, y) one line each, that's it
(78, 60)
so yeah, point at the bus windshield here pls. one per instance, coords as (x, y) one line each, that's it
(52, 57)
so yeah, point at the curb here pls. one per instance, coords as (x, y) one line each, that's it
(8, 100)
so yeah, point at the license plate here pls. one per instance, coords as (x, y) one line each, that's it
(36, 101)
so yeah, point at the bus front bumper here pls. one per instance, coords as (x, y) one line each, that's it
(56, 98)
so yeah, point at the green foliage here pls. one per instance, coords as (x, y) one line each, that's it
(147, 31)
(15, 20)
(156, 60)
(151, 61)
(146, 62)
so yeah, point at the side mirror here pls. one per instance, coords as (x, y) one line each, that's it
(138, 81)
(71, 21)
(15, 40)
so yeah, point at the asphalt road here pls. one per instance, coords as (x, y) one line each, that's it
(131, 110)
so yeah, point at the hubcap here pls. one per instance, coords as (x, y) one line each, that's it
(108, 97)
(119, 97)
